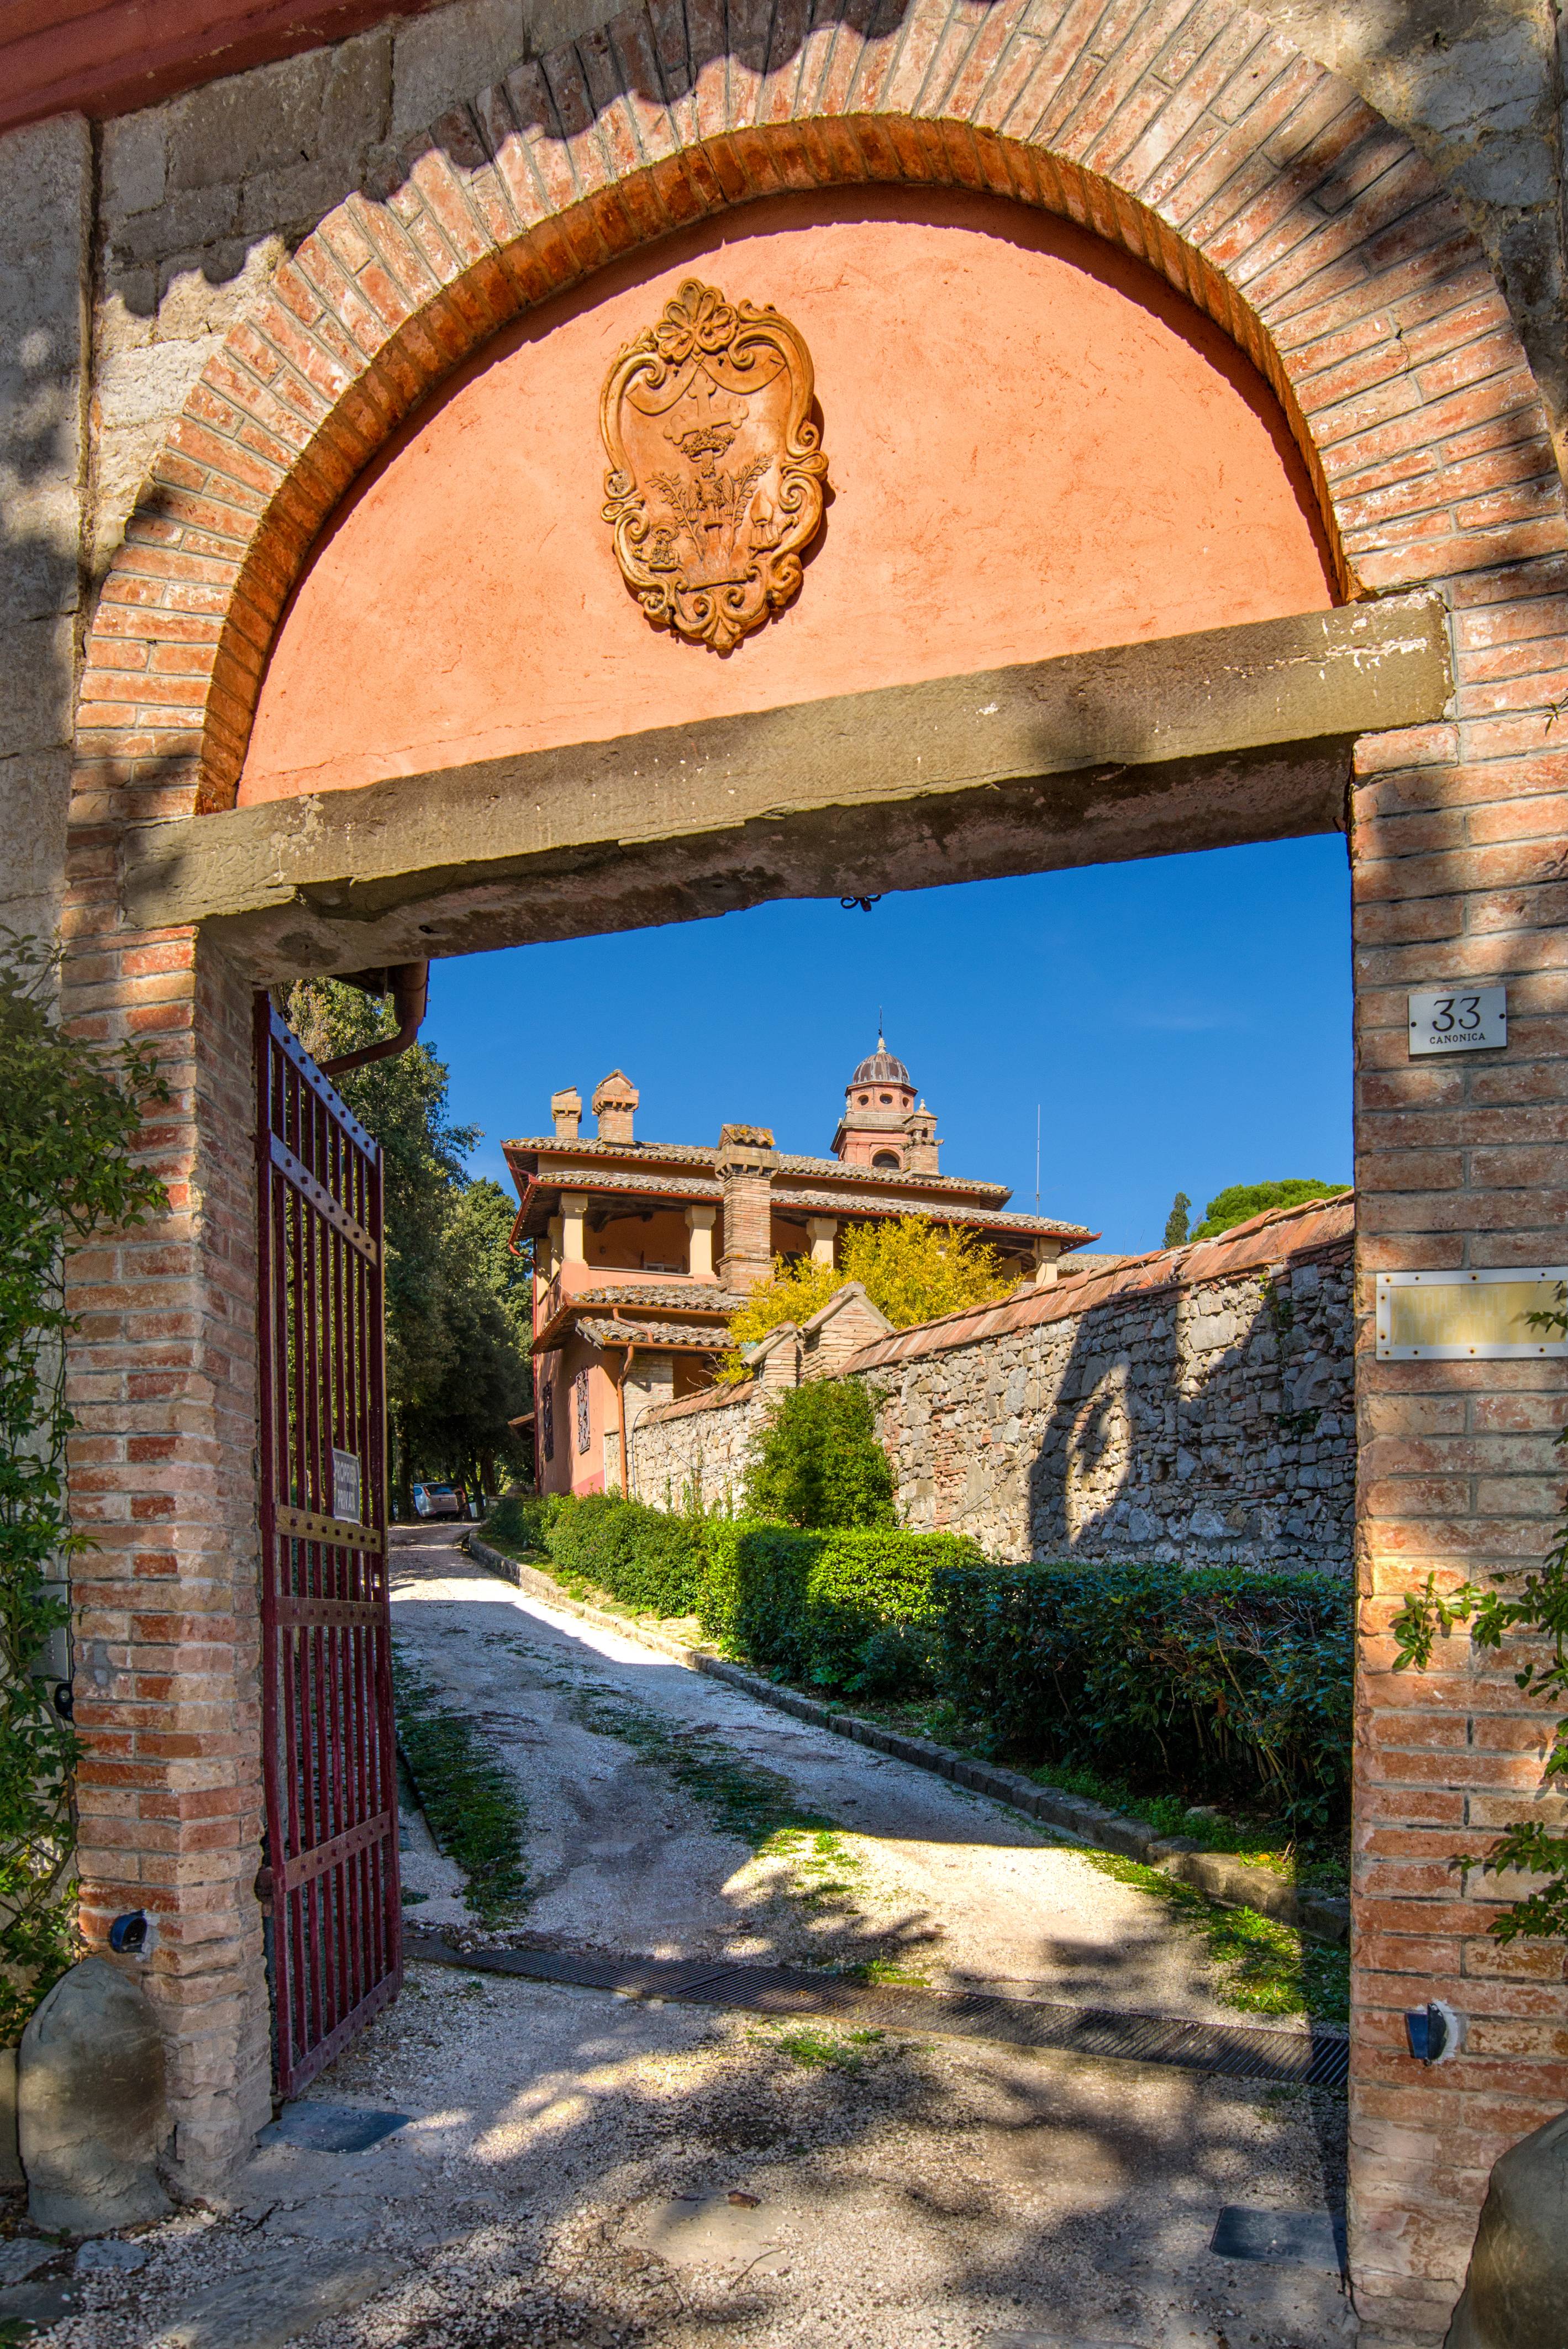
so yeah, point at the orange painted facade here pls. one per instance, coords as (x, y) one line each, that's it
(1034, 447)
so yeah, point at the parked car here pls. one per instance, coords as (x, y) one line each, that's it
(437, 1501)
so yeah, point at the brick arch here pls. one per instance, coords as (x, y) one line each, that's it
(1253, 180)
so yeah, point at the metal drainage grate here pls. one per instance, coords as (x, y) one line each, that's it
(1314, 2059)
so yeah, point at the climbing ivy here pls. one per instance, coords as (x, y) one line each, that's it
(1539, 1607)
(70, 1113)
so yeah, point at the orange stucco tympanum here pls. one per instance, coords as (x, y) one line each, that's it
(1034, 447)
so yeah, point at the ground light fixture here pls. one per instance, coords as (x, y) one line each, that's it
(1434, 2032)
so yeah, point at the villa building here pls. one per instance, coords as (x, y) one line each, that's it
(643, 1249)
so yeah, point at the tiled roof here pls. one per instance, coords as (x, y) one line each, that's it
(984, 1219)
(649, 1186)
(694, 1296)
(651, 1334)
(680, 1153)
(840, 1172)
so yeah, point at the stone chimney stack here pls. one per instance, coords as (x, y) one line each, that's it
(566, 1109)
(614, 1105)
(923, 1149)
(746, 1161)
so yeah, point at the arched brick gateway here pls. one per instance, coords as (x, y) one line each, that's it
(1200, 141)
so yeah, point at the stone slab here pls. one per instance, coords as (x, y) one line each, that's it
(21, 2256)
(1183, 742)
(1311, 2239)
(268, 2306)
(331, 2128)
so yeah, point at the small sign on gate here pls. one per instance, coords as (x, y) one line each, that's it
(346, 1501)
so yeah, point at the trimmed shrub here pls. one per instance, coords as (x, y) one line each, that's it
(645, 1557)
(851, 1611)
(1210, 1681)
(819, 1462)
(520, 1519)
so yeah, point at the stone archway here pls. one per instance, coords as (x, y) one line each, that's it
(1264, 191)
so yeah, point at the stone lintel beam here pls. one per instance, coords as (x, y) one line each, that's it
(1143, 750)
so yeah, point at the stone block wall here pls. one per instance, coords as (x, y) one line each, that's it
(1195, 1405)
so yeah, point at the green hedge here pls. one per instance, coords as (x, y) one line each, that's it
(1209, 1681)
(850, 1609)
(519, 1519)
(645, 1557)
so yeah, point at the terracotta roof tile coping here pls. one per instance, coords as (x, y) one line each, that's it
(1282, 1236)
(711, 1398)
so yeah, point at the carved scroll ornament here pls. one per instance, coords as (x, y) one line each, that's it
(717, 473)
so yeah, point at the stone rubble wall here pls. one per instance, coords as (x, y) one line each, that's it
(1208, 1422)
(1211, 1425)
(699, 1449)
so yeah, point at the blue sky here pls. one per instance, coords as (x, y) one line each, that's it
(1183, 1023)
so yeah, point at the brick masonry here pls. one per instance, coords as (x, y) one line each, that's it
(1199, 1406)
(1201, 140)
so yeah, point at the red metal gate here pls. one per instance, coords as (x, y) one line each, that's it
(331, 1774)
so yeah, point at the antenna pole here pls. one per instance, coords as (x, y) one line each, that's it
(1037, 1158)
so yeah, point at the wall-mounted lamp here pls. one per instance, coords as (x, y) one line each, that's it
(1434, 2032)
(130, 1936)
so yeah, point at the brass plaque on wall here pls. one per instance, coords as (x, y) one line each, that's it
(1456, 1317)
(717, 473)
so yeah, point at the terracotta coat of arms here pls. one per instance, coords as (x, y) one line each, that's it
(717, 473)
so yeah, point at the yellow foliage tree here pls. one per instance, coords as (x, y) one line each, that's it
(911, 1268)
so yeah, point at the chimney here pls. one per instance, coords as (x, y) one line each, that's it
(615, 1103)
(746, 1161)
(566, 1109)
(924, 1150)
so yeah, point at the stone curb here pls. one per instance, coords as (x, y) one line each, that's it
(1321, 1916)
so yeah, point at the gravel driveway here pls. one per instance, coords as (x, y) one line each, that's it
(575, 2169)
(922, 1874)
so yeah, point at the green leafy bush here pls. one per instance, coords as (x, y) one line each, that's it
(819, 1462)
(520, 1520)
(645, 1557)
(1209, 1681)
(851, 1611)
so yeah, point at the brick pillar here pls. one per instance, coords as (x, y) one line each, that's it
(1458, 861)
(164, 1482)
(746, 1161)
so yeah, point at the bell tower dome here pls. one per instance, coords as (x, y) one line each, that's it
(879, 1101)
